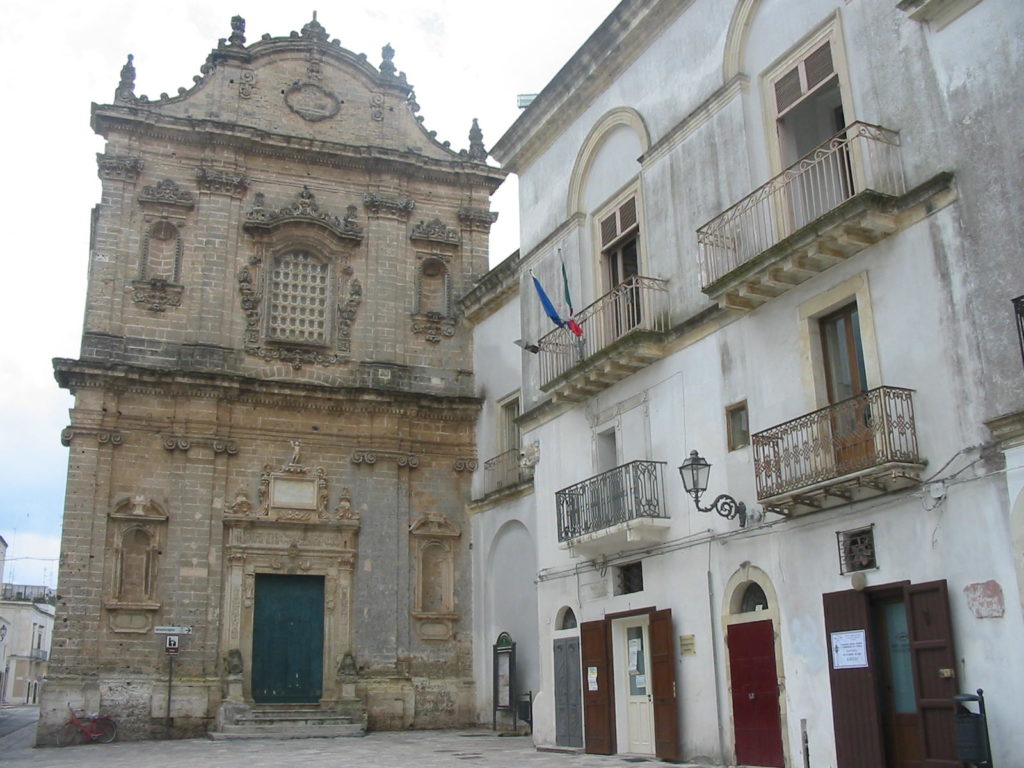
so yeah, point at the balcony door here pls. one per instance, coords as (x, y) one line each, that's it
(620, 261)
(845, 381)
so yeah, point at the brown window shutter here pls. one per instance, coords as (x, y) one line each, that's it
(787, 90)
(663, 679)
(598, 705)
(627, 215)
(818, 66)
(855, 713)
(609, 230)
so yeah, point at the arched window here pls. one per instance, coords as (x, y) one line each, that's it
(754, 599)
(567, 619)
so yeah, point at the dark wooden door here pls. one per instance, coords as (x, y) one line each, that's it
(663, 672)
(846, 380)
(934, 668)
(568, 696)
(855, 712)
(755, 694)
(288, 638)
(598, 693)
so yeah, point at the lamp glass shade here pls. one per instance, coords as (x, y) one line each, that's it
(694, 472)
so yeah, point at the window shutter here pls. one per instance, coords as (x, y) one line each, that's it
(609, 230)
(627, 215)
(812, 71)
(787, 89)
(818, 66)
(619, 222)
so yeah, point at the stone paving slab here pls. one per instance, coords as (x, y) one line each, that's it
(406, 749)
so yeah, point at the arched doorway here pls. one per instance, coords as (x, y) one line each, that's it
(755, 668)
(567, 685)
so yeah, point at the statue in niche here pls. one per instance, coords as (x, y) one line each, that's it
(348, 666)
(296, 447)
(233, 662)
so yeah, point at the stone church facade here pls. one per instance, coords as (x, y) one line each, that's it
(272, 437)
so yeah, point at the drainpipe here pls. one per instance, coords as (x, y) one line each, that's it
(714, 659)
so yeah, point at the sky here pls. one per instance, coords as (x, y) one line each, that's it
(465, 59)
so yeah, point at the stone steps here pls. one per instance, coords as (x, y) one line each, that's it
(291, 722)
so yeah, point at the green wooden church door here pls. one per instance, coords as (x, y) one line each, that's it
(288, 639)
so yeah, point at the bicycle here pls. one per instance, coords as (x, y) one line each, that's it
(95, 728)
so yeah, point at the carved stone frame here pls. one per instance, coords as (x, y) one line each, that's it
(138, 513)
(435, 531)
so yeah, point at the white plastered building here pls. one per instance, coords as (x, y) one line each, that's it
(790, 233)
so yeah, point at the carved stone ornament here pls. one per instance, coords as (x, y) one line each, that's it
(531, 455)
(370, 457)
(304, 209)
(123, 167)
(311, 102)
(465, 464)
(434, 524)
(237, 31)
(433, 326)
(167, 192)
(125, 90)
(344, 509)
(435, 231)
(477, 151)
(293, 492)
(246, 83)
(156, 295)
(218, 445)
(222, 182)
(103, 436)
(477, 218)
(386, 206)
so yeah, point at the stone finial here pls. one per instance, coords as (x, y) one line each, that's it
(126, 88)
(477, 151)
(237, 31)
(387, 64)
(315, 31)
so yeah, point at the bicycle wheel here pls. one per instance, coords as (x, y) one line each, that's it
(68, 735)
(104, 730)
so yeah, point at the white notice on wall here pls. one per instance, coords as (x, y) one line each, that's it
(849, 649)
(591, 678)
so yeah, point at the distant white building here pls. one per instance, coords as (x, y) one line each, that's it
(790, 233)
(26, 630)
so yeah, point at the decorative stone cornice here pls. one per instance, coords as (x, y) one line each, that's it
(156, 294)
(384, 206)
(435, 231)
(103, 436)
(167, 192)
(304, 209)
(221, 182)
(125, 167)
(183, 443)
(492, 290)
(477, 218)
(370, 456)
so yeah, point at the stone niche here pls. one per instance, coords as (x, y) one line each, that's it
(434, 538)
(135, 535)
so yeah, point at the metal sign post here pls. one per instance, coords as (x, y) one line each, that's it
(171, 648)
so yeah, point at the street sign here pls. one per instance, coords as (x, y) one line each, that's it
(172, 630)
(171, 644)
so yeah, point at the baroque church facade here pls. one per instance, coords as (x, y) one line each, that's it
(272, 436)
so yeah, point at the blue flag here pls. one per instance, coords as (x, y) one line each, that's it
(545, 302)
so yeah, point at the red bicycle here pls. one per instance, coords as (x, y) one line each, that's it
(98, 728)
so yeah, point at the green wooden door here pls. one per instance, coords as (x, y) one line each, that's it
(288, 638)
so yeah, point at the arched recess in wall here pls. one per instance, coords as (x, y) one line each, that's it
(736, 38)
(750, 615)
(511, 597)
(620, 116)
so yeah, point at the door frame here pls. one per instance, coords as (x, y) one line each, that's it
(733, 597)
(620, 652)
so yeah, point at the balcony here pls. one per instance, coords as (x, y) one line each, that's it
(831, 204)
(39, 654)
(623, 331)
(624, 505)
(506, 470)
(865, 445)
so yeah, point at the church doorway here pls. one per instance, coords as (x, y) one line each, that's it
(288, 639)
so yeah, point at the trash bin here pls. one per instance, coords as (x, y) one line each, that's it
(971, 731)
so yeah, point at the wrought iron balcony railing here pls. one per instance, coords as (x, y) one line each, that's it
(637, 304)
(629, 492)
(504, 470)
(1018, 308)
(860, 157)
(870, 430)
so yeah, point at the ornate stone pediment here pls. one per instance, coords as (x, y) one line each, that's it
(435, 231)
(222, 182)
(434, 524)
(156, 294)
(167, 192)
(311, 102)
(293, 492)
(304, 209)
(386, 206)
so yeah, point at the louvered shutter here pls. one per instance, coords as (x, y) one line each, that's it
(618, 223)
(812, 71)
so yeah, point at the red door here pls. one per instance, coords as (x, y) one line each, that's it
(598, 695)
(663, 673)
(755, 694)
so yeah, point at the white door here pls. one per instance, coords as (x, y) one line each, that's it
(635, 685)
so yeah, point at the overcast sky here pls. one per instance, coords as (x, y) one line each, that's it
(465, 58)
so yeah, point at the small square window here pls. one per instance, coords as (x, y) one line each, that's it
(857, 550)
(629, 578)
(736, 426)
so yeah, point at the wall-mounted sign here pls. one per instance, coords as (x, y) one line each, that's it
(591, 678)
(849, 649)
(687, 645)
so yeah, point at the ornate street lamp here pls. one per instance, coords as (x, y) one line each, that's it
(695, 472)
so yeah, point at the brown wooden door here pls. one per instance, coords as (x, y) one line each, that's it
(755, 694)
(934, 665)
(846, 381)
(598, 688)
(663, 672)
(855, 713)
